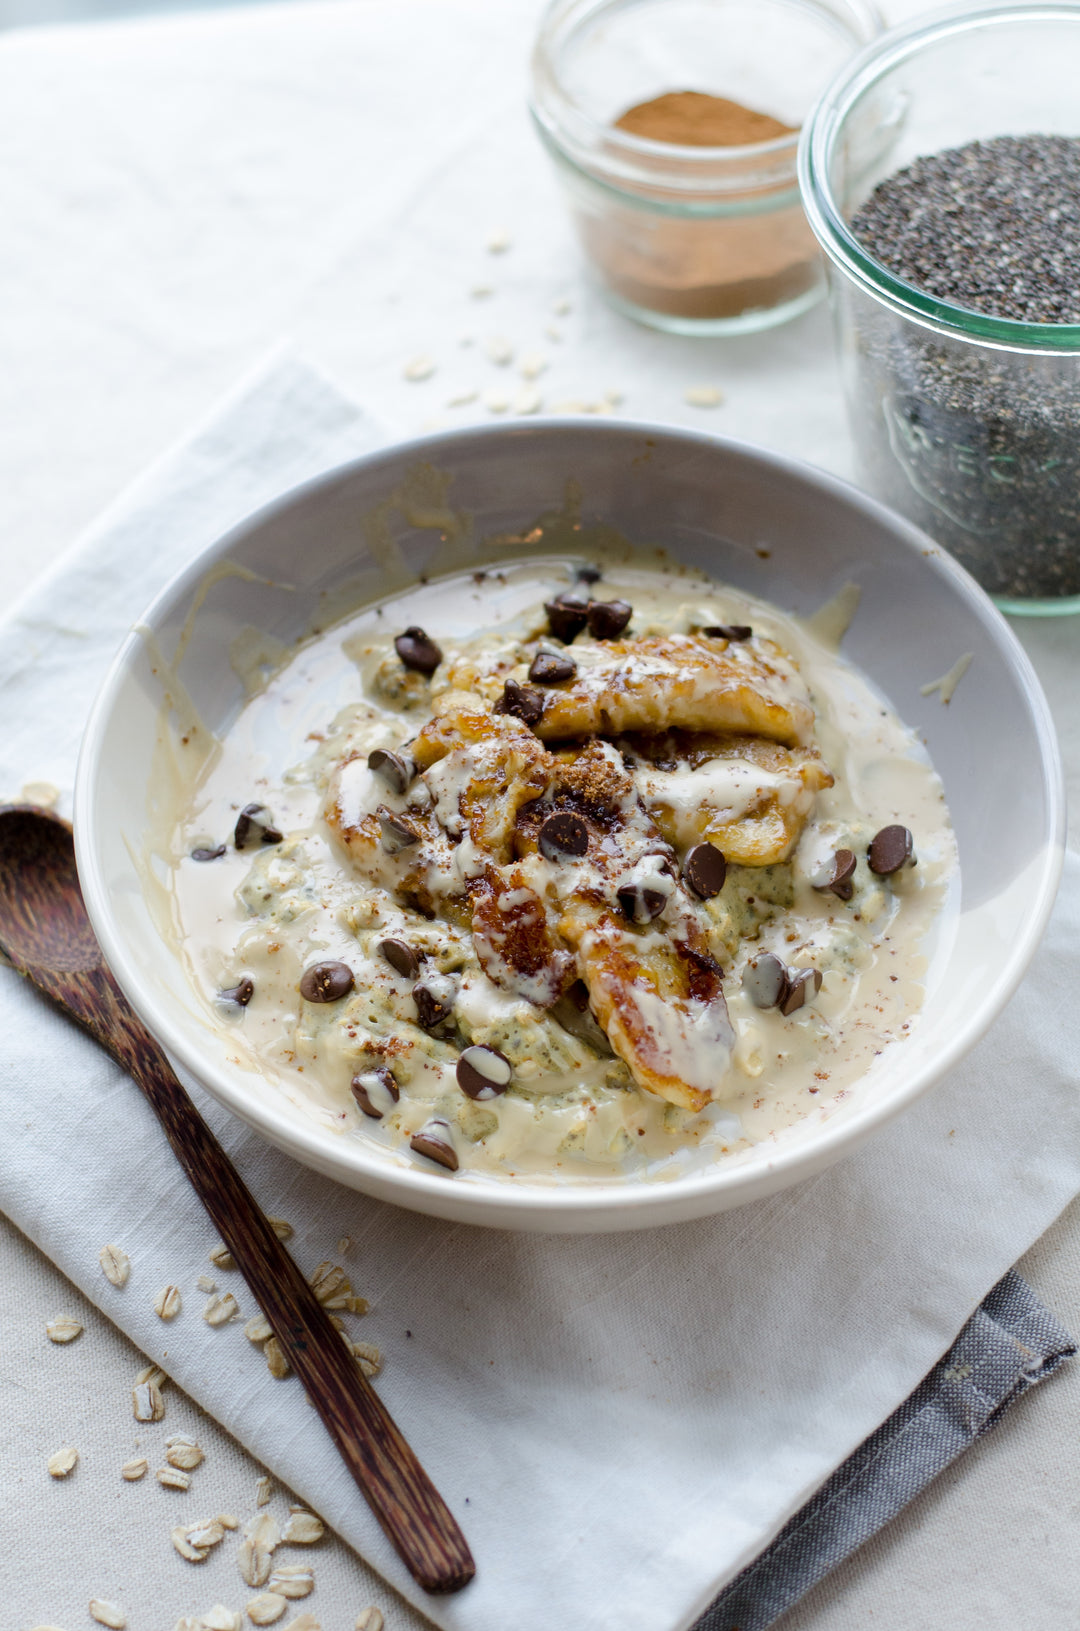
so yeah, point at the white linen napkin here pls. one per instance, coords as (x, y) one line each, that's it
(621, 1423)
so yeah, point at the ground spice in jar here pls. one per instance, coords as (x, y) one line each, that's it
(980, 446)
(746, 248)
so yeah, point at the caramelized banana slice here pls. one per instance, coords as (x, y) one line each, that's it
(685, 681)
(749, 797)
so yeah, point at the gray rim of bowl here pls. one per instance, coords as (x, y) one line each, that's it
(827, 220)
(615, 1196)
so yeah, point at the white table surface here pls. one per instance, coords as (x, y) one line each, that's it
(178, 196)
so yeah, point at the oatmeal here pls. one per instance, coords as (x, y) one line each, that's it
(564, 872)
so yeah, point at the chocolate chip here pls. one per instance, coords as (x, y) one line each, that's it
(483, 1072)
(563, 833)
(436, 1141)
(589, 574)
(521, 701)
(239, 995)
(255, 825)
(393, 768)
(418, 650)
(765, 980)
(728, 631)
(397, 833)
(704, 871)
(639, 902)
(401, 957)
(566, 616)
(891, 849)
(375, 1091)
(204, 854)
(608, 618)
(434, 1001)
(548, 668)
(802, 984)
(835, 876)
(326, 982)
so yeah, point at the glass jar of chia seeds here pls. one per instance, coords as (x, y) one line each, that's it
(965, 419)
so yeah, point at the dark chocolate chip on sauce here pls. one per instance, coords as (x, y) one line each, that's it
(551, 668)
(566, 616)
(607, 618)
(589, 574)
(835, 876)
(375, 1091)
(392, 768)
(521, 701)
(728, 631)
(418, 650)
(397, 833)
(483, 1072)
(239, 995)
(203, 853)
(401, 957)
(802, 984)
(255, 825)
(326, 982)
(435, 1140)
(891, 849)
(765, 980)
(640, 903)
(431, 1008)
(704, 871)
(561, 834)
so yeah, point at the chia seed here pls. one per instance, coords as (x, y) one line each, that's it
(980, 446)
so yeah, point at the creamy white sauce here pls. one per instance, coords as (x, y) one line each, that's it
(572, 1113)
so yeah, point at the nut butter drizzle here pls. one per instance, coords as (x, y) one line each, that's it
(568, 1123)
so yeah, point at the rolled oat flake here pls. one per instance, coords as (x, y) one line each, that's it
(326, 982)
(891, 849)
(483, 1072)
(375, 1091)
(418, 650)
(436, 1141)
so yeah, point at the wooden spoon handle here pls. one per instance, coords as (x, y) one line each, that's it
(413, 1515)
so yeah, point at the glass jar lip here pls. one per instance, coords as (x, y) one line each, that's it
(816, 146)
(639, 159)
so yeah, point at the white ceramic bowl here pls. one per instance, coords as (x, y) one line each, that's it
(764, 523)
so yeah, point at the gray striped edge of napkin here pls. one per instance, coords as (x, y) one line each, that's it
(1009, 1343)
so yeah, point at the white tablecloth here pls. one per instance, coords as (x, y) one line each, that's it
(179, 195)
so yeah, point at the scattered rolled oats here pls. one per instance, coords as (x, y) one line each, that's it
(563, 307)
(496, 401)
(481, 291)
(183, 1452)
(147, 1402)
(498, 241)
(369, 1619)
(110, 1614)
(132, 1471)
(293, 1580)
(62, 1462)
(304, 1622)
(258, 1328)
(703, 396)
(499, 350)
(266, 1608)
(115, 1265)
(64, 1329)
(220, 1618)
(275, 1358)
(171, 1478)
(367, 1357)
(264, 1490)
(221, 1257)
(302, 1528)
(195, 1540)
(281, 1228)
(204, 1283)
(167, 1303)
(553, 333)
(153, 1374)
(227, 1521)
(344, 1245)
(528, 401)
(261, 1536)
(349, 1301)
(532, 365)
(220, 1310)
(613, 396)
(460, 400)
(189, 1622)
(328, 1280)
(418, 368)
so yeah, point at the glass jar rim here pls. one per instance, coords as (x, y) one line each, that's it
(637, 159)
(818, 141)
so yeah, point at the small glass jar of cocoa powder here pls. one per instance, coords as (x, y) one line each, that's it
(674, 128)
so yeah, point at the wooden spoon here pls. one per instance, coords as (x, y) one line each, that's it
(46, 934)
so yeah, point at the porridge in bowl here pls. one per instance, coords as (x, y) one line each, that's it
(569, 872)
